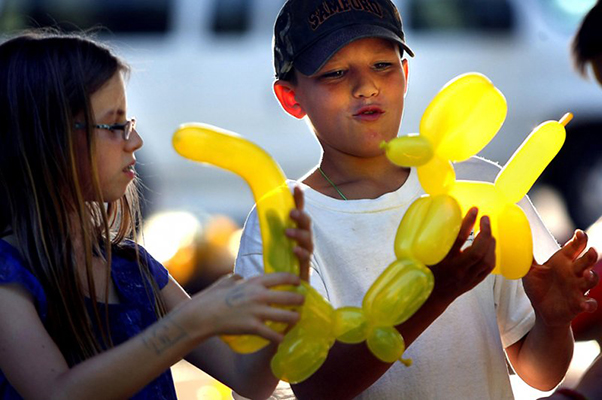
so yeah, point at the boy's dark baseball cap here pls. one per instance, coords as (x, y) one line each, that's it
(307, 33)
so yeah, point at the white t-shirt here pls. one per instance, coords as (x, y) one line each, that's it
(461, 354)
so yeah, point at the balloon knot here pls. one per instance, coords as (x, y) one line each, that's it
(383, 145)
(406, 361)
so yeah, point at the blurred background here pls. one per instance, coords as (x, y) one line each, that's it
(210, 61)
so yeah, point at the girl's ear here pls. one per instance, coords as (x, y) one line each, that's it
(285, 93)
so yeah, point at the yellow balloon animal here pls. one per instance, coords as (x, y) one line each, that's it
(463, 117)
(398, 292)
(208, 144)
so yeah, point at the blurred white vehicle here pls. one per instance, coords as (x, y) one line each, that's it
(210, 61)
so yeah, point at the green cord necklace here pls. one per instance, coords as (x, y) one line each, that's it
(332, 183)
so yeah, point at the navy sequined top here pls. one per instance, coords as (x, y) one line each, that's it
(132, 315)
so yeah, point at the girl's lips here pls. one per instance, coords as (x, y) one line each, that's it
(130, 167)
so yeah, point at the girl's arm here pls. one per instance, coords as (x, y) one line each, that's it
(249, 375)
(35, 367)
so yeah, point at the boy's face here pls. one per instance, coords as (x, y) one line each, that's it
(356, 100)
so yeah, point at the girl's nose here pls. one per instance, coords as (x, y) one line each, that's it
(135, 141)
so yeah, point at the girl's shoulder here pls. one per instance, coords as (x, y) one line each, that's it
(13, 270)
(125, 258)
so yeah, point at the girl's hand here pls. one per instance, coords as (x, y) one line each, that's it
(302, 235)
(463, 269)
(233, 305)
(557, 289)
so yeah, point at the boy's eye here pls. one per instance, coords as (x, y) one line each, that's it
(333, 74)
(382, 65)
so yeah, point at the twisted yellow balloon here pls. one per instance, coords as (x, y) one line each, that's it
(227, 150)
(458, 123)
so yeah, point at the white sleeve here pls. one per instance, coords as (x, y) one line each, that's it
(544, 244)
(249, 261)
(514, 311)
(515, 315)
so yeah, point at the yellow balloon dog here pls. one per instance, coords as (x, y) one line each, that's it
(463, 117)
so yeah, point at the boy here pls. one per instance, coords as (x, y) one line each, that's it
(340, 64)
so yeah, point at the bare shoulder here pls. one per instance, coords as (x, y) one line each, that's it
(29, 358)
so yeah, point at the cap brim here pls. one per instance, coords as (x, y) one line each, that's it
(311, 60)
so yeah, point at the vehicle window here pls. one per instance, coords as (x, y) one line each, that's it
(131, 16)
(474, 15)
(565, 15)
(231, 16)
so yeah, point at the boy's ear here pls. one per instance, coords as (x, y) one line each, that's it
(406, 72)
(285, 93)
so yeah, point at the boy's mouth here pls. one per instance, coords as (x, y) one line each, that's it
(370, 112)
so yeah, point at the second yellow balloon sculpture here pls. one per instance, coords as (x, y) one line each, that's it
(463, 117)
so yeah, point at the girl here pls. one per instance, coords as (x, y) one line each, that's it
(84, 311)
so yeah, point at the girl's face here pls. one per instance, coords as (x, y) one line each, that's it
(114, 156)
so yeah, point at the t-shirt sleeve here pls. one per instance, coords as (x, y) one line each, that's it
(13, 271)
(157, 270)
(515, 315)
(249, 261)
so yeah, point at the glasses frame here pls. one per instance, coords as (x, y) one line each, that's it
(126, 128)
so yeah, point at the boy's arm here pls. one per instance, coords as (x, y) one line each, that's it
(351, 369)
(556, 290)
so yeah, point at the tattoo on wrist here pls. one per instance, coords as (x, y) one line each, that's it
(164, 336)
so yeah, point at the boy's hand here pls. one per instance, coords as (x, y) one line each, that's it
(302, 235)
(463, 269)
(557, 289)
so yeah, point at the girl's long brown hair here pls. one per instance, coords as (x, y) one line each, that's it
(46, 80)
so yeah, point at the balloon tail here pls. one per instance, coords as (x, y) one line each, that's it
(566, 118)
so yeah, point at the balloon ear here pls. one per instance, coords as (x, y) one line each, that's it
(286, 96)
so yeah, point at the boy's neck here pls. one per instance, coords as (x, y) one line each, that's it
(356, 178)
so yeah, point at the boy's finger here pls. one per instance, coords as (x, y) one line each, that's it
(575, 245)
(302, 237)
(465, 229)
(299, 199)
(589, 305)
(481, 255)
(585, 261)
(301, 218)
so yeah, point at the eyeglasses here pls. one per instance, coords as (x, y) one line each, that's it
(127, 127)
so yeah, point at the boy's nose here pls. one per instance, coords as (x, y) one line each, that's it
(365, 86)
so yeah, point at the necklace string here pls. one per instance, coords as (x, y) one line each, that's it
(332, 184)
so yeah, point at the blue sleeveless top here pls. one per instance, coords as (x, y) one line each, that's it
(132, 315)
